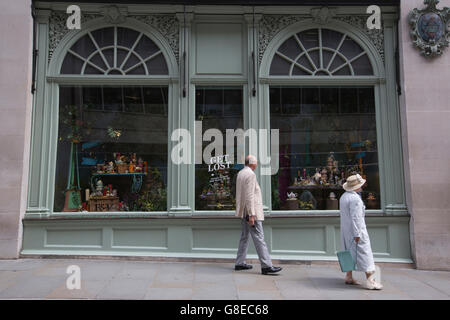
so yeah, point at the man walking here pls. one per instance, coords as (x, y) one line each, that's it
(249, 209)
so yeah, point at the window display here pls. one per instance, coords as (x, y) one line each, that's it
(112, 149)
(218, 108)
(326, 135)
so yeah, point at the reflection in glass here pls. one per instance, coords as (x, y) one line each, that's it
(331, 137)
(112, 149)
(218, 108)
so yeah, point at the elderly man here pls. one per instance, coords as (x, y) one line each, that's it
(249, 209)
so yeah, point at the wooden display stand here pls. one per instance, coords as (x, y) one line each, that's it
(103, 204)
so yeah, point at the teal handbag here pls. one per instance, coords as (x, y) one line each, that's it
(346, 261)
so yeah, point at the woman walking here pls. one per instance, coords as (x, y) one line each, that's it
(354, 236)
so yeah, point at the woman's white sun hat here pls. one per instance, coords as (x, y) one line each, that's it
(354, 183)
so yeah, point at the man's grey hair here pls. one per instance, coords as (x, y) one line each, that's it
(250, 160)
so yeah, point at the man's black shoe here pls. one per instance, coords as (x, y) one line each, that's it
(270, 270)
(242, 267)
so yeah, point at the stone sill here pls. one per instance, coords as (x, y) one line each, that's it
(196, 215)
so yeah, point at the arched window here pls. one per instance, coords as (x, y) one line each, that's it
(112, 137)
(320, 52)
(327, 130)
(114, 51)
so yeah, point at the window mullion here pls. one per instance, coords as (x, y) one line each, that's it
(99, 50)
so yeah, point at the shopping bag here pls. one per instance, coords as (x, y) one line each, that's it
(346, 261)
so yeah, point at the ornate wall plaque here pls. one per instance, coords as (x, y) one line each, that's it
(430, 28)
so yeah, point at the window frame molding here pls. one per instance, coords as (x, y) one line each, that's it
(180, 194)
(386, 106)
(43, 149)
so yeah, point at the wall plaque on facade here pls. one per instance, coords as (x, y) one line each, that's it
(430, 28)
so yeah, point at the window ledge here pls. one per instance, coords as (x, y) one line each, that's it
(195, 215)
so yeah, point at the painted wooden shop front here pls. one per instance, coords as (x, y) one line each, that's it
(110, 95)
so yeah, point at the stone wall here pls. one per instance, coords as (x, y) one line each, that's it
(15, 105)
(426, 128)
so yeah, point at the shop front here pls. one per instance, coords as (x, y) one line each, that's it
(140, 86)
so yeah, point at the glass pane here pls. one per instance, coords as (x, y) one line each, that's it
(137, 70)
(109, 161)
(132, 60)
(291, 105)
(318, 151)
(297, 71)
(157, 65)
(133, 99)
(92, 98)
(309, 38)
(350, 48)
(345, 71)
(126, 37)
(104, 37)
(279, 66)
(290, 48)
(71, 64)
(155, 100)
(98, 61)
(329, 100)
(215, 178)
(109, 56)
(113, 99)
(327, 55)
(91, 70)
(362, 66)
(366, 100)
(310, 100)
(315, 57)
(331, 39)
(84, 47)
(337, 62)
(304, 61)
(146, 47)
(121, 54)
(349, 100)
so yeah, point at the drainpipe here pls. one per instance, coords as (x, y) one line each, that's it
(35, 51)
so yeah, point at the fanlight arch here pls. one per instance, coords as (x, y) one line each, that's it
(320, 52)
(114, 50)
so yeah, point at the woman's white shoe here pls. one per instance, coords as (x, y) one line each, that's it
(372, 284)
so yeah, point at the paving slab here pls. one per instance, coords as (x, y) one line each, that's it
(164, 280)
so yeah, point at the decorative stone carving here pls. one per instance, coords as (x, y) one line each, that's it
(323, 15)
(270, 25)
(430, 28)
(58, 28)
(167, 25)
(376, 36)
(114, 14)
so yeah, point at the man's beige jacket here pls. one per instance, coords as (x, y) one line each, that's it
(248, 194)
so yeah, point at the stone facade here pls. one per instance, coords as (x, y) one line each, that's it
(15, 104)
(425, 105)
(426, 117)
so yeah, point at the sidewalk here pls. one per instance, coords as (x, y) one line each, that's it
(119, 279)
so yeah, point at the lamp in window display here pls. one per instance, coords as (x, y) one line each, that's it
(72, 121)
